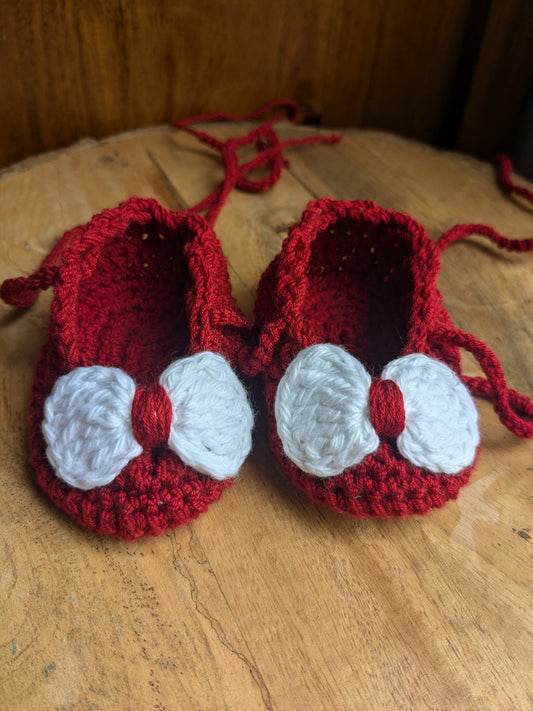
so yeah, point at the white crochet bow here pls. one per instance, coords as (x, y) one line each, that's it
(88, 427)
(323, 416)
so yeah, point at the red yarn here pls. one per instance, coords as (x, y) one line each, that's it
(463, 231)
(151, 416)
(514, 410)
(268, 144)
(387, 412)
(23, 291)
(504, 169)
(291, 107)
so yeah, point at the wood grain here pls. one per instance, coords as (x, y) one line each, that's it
(268, 601)
(74, 69)
(501, 83)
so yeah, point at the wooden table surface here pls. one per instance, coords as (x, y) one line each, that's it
(268, 601)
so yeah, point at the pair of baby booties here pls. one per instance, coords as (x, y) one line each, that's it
(138, 416)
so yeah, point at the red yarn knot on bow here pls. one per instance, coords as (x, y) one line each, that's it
(387, 412)
(151, 416)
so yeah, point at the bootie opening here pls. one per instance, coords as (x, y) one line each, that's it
(143, 279)
(359, 287)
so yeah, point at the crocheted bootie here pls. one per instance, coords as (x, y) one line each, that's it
(137, 420)
(367, 410)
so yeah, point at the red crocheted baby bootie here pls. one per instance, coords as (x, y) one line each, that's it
(137, 420)
(367, 410)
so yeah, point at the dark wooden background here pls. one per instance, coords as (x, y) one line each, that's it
(454, 73)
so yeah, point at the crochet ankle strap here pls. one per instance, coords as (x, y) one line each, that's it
(23, 291)
(463, 231)
(514, 410)
(504, 168)
(185, 124)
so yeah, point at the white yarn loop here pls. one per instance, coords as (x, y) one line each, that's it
(322, 413)
(88, 430)
(323, 418)
(441, 421)
(212, 420)
(87, 426)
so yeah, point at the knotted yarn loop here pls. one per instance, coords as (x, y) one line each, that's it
(270, 152)
(151, 416)
(387, 411)
(23, 291)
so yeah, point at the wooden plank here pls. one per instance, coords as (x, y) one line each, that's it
(497, 100)
(74, 69)
(268, 601)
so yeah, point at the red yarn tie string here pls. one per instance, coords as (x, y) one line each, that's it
(514, 409)
(463, 231)
(290, 106)
(504, 168)
(270, 151)
(23, 291)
